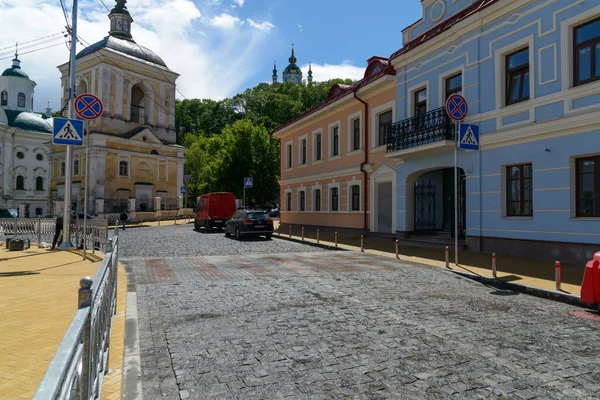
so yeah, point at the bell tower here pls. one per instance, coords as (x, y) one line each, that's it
(120, 21)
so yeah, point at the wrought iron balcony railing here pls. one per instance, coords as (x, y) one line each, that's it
(431, 127)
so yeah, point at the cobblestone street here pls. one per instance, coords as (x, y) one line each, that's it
(323, 325)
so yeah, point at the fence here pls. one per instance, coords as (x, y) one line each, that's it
(78, 367)
(40, 230)
(147, 216)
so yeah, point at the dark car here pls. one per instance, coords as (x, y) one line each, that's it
(249, 223)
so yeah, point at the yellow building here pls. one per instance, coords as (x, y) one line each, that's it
(132, 146)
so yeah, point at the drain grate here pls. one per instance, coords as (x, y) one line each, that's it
(590, 315)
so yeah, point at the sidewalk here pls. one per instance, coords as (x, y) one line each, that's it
(38, 299)
(523, 271)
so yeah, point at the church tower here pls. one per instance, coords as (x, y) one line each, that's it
(133, 155)
(292, 73)
(274, 71)
(310, 77)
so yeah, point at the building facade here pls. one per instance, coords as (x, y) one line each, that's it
(132, 145)
(530, 71)
(332, 163)
(25, 139)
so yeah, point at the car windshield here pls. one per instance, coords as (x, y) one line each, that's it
(260, 215)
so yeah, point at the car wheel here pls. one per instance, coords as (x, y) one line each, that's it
(237, 234)
(208, 226)
(268, 236)
(226, 232)
(196, 226)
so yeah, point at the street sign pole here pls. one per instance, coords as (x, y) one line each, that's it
(85, 196)
(244, 204)
(456, 194)
(69, 152)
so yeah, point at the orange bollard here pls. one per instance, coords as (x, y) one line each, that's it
(590, 286)
(557, 277)
(494, 265)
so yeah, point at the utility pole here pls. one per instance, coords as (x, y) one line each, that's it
(69, 150)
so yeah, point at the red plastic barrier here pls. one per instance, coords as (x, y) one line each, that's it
(590, 286)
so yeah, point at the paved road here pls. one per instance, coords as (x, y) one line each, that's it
(324, 325)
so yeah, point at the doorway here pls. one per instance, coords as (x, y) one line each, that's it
(384, 207)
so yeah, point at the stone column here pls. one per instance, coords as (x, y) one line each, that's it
(99, 206)
(22, 210)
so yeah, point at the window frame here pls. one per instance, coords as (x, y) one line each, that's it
(303, 150)
(447, 80)
(521, 190)
(21, 100)
(337, 197)
(76, 167)
(288, 200)
(578, 212)
(417, 104)
(318, 146)
(4, 98)
(20, 179)
(63, 167)
(520, 70)
(289, 155)
(592, 43)
(356, 139)
(121, 163)
(317, 200)
(38, 185)
(335, 140)
(302, 200)
(354, 196)
(379, 125)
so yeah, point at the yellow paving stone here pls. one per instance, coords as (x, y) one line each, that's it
(38, 299)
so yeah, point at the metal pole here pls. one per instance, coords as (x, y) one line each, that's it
(336, 239)
(447, 251)
(244, 205)
(317, 236)
(85, 195)
(494, 265)
(362, 243)
(557, 276)
(302, 233)
(397, 252)
(456, 195)
(39, 232)
(69, 153)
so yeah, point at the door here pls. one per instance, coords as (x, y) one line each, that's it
(384, 207)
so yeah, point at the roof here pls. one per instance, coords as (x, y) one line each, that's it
(125, 46)
(15, 70)
(444, 26)
(29, 121)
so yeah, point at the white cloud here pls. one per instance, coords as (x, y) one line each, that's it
(210, 64)
(239, 2)
(325, 72)
(225, 21)
(263, 26)
(300, 27)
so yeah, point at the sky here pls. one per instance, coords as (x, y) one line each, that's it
(219, 47)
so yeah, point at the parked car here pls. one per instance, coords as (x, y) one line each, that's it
(245, 208)
(274, 212)
(214, 210)
(249, 223)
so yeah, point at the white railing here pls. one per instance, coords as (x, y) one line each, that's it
(81, 361)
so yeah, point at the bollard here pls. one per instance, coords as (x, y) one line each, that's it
(159, 220)
(317, 236)
(397, 253)
(290, 231)
(175, 220)
(557, 276)
(303, 234)
(335, 239)
(447, 251)
(362, 243)
(494, 265)
(39, 232)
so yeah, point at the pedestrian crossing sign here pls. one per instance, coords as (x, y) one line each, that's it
(68, 131)
(468, 138)
(248, 183)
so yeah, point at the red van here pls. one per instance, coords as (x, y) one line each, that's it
(213, 210)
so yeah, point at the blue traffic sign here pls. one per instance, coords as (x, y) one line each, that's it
(68, 131)
(457, 107)
(248, 183)
(183, 190)
(88, 106)
(468, 138)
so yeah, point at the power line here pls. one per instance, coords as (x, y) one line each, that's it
(33, 51)
(65, 13)
(33, 40)
(31, 46)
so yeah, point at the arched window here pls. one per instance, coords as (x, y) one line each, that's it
(154, 152)
(137, 105)
(39, 183)
(21, 100)
(4, 98)
(20, 183)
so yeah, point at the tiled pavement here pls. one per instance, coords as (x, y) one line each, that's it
(350, 325)
(38, 299)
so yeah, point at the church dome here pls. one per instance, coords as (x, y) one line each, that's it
(125, 46)
(29, 121)
(15, 70)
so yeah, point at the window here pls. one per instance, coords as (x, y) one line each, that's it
(588, 186)
(123, 168)
(420, 102)
(153, 151)
(4, 98)
(453, 85)
(289, 156)
(317, 206)
(20, 155)
(355, 193)
(21, 100)
(62, 168)
(39, 211)
(519, 201)
(587, 52)
(385, 123)
(39, 157)
(335, 150)
(20, 183)
(39, 183)
(356, 134)
(517, 76)
(76, 167)
(302, 201)
(303, 149)
(288, 201)
(318, 146)
(334, 199)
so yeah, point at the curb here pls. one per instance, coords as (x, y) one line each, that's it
(554, 295)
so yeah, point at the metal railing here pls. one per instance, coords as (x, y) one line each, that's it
(78, 367)
(431, 127)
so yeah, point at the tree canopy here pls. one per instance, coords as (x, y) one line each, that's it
(229, 140)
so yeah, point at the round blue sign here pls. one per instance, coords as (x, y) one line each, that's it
(457, 107)
(88, 106)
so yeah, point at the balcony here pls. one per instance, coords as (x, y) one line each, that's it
(431, 133)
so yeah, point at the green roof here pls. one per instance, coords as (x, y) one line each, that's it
(15, 71)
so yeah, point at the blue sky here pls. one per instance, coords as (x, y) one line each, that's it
(220, 47)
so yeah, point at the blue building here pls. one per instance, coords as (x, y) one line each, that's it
(530, 71)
